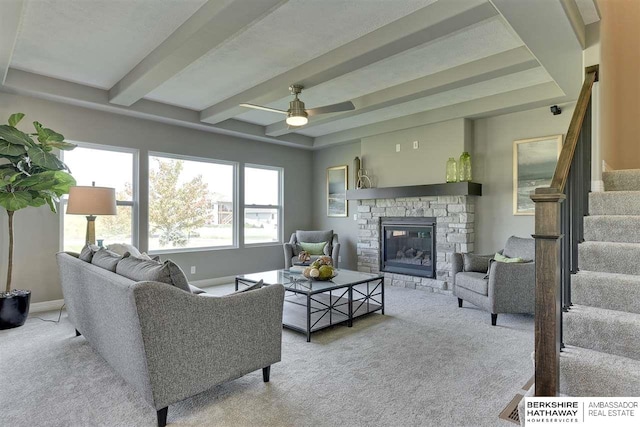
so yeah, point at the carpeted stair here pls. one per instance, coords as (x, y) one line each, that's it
(602, 328)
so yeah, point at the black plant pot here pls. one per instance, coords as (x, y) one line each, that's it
(14, 309)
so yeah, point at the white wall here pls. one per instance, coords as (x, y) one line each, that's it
(492, 161)
(37, 230)
(426, 165)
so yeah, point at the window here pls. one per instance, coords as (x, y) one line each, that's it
(191, 203)
(262, 204)
(106, 167)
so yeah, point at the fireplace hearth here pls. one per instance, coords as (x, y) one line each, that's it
(408, 246)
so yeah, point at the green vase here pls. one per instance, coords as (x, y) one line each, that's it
(452, 170)
(464, 167)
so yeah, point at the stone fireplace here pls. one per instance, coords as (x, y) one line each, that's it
(454, 232)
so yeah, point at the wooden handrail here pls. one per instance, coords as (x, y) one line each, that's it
(548, 236)
(561, 174)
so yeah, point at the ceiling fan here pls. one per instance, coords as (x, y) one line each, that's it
(297, 115)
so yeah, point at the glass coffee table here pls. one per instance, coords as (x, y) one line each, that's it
(312, 305)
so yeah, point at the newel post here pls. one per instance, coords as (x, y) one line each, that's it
(548, 235)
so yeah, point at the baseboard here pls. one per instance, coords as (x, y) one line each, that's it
(606, 167)
(39, 307)
(213, 282)
(597, 186)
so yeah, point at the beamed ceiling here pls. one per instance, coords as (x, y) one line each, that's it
(402, 63)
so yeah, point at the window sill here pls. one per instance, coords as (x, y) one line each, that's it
(185, 250)
(262, 245)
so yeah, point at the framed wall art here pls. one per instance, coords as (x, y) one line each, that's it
(534, 162)
(337, 191)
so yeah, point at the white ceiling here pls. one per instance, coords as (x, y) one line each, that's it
(293, 34)
(393, 58)
(94, 42)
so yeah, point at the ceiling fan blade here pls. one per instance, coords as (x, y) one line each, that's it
(260, 107)
(333, 108)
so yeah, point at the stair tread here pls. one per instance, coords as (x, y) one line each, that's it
(611, 291)
(599, 312)
(586, 372)
(601, 329)
(625, 179)
(609, 257)
(614, 203)
(612, 228)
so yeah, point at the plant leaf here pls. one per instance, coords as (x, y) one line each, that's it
(45, 160)
(48, 136)
(53, 183)
(15, 201)
(9, 149)
(15, 136)
(15, 118)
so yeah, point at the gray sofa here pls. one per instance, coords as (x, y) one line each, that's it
(168, 343)
(291, 249)
(504, 288)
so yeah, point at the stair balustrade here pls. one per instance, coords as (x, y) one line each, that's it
(559, 210)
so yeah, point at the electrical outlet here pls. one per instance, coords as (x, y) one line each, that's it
(193, 269)
(415, 145)
(339, 258)
(355, 217)
(397, 148)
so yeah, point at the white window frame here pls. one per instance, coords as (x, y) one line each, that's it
(234, 233)
(135, 203)
(279, 206)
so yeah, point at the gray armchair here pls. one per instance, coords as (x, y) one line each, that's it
(291, 249)
(505, 288)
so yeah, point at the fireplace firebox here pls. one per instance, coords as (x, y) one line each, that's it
(408, 245)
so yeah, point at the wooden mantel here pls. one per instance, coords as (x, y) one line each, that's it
(449, 189)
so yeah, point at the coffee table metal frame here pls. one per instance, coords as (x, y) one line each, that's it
(330, 301)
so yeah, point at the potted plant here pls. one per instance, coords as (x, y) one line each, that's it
(30, 175)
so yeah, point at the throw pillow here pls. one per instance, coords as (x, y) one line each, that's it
(107, 259)
(501, 258)
(122, 248)
(86, 254)
(178, 278)
(475, 263)
(141, 270)
(313, 248)
(250, 288)
(315, 236)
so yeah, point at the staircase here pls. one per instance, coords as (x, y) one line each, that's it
(602, 329)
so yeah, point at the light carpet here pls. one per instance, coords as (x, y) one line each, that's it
(425, 363)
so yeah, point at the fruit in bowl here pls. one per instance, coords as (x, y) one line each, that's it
(320, 269)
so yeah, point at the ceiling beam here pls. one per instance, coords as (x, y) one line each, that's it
(491, 67)
(547, 31)
(10, 19)
(210, 27)
(425, 25)
(516, 100)
(37, 86)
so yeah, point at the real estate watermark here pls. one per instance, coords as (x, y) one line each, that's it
(583, 411)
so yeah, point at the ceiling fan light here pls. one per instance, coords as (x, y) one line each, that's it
(294, 120)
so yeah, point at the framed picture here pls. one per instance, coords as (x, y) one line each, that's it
(337, 191)
(534, 162)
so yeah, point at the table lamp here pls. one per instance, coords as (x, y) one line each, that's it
(92, 201)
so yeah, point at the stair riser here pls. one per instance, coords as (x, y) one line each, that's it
(615, 292)
(614, 203)
(610, 376)
(622, 180)
(613, 334)
(622, 258)
(625, 229)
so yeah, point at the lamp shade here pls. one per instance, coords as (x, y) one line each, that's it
(92, 201)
